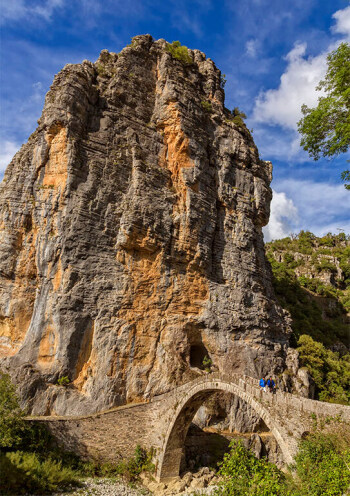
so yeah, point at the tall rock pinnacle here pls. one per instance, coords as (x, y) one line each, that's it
(131, 242)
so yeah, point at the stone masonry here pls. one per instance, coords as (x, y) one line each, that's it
(163, 422)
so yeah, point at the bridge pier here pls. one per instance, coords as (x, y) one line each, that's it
(170, 468)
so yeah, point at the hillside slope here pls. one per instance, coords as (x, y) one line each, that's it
(312, 282)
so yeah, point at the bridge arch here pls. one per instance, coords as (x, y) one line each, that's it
(186, 407)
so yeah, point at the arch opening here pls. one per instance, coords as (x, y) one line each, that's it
(224, 417)
(173, 452)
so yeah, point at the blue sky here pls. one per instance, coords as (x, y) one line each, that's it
(273, 53)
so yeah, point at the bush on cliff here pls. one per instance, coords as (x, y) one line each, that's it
(179, 52)
(318, 309)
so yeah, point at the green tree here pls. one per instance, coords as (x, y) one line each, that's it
(11, 415)
(325, 129)
(322, 465)
(242, 474)
(330, 372)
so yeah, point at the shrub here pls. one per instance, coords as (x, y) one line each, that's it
(132, 468)
(22, 472)
(243, 474)
(207, 106)
(12, 424)
(322, 466)
(179, 52)
(306, 241)
(325, 264)
(237, 116)
(101, 69)
(327, 240)
(330, 372)
(63, 381)
(307, 311)
(207, 363)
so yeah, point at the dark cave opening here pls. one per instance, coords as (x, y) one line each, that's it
(198, 352)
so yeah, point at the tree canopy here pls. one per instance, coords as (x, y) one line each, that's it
(325, 129)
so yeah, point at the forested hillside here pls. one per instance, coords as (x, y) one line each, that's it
(312, 281)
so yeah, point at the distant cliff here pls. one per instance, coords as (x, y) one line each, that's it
(312, 282)
(131, 244)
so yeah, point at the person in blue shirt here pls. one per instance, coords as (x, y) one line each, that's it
(271, 385)
(262, 384)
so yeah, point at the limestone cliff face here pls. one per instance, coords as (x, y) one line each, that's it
(131, 242)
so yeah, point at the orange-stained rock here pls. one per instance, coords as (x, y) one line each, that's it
(130, 237)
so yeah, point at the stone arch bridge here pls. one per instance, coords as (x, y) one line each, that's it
(163, 421)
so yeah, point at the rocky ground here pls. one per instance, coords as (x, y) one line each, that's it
(190, 484)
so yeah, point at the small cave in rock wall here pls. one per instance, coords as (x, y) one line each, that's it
(197, 352)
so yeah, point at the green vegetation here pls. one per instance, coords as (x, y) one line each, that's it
(101, 70)
(207, 363)
(127, 469)
(22, 472)
(141, 462)
(237, 116)
(30, 459)
(179, 52)
(322, 468)
(330, 371)
(318, 310)
(243, 474)
(11, 416)
(207, 106)
(325, 129)
(323, 465)
(63, 381)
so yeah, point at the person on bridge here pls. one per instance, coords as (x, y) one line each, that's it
(271, 385)
(262, 384)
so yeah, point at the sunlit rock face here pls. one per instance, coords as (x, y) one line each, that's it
(131, 243)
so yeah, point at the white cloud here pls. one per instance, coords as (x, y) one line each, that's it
(283, 217)
(322, 208)
(7, 151)
(342, 18)
(15, 10)
(282, 106)
(273, 144)
(251, 48)
(47, 9)
(12, 10)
